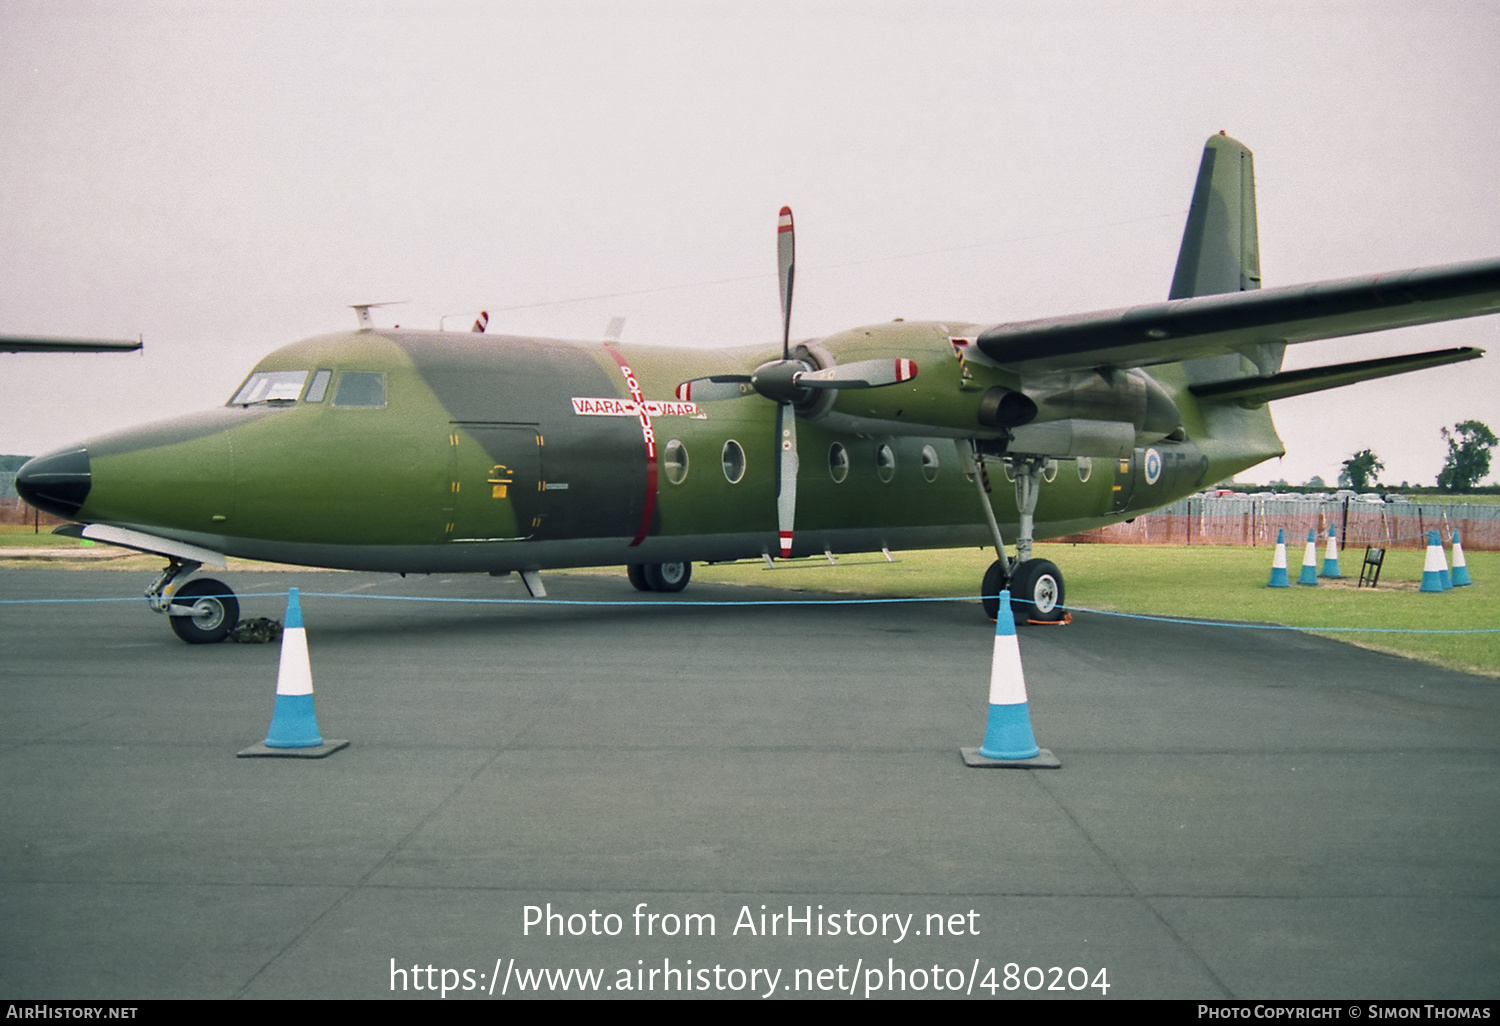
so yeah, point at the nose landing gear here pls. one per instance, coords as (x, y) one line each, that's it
(202, 611)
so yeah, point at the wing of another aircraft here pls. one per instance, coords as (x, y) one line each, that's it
(1208, 326)
(1215, 325)
(36, 344)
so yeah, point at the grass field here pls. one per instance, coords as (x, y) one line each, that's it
(1201, 582)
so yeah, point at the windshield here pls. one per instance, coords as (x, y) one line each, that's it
(270, 387)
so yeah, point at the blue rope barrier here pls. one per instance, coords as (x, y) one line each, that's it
(659, 604)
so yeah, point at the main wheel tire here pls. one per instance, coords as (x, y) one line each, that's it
(215, 611)
(1037, 592)
(995, 580)
(668, 576)
(637, 574)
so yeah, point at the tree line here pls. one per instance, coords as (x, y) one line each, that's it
(1467, 462)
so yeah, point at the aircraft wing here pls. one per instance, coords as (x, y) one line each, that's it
(1257, 390)
(1214, 325)
(36, 344)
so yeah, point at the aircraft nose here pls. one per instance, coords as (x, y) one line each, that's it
(56, 483)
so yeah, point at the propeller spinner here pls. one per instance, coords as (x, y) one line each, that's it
(792, 383)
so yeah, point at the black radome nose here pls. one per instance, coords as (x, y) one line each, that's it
(56, 483)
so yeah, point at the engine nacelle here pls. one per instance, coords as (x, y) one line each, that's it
(1105, 412)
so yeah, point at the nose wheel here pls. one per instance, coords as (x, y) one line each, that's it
(203, 611)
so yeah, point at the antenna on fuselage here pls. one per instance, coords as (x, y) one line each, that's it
(615, 329)
(362, 312)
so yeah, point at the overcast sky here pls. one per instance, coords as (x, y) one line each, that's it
(223, 178)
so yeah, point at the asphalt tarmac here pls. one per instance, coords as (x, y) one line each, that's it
(1239, 813)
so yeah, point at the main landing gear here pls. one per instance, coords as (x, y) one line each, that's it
(1036, 585)
(202, 611)
(659, 576)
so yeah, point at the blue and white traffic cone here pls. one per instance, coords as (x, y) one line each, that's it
(1432, 570)
(1008, 740)
(1331, 555)
(1279, 578)
(1309, 574)
(1460, 567)
(294, 723)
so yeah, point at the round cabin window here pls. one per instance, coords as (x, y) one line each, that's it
(734, 461)
(675, 459)
(929, 463)
(838, 462)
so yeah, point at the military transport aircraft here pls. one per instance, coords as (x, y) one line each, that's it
(421, 451)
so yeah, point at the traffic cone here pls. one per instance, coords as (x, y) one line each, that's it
(1309, 574)
(1279, 577)
(1432, 570)
(1008, 740)
(1460, 567)
(1331, 555)
(294, 723)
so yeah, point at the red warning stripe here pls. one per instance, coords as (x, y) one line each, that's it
(648, 509)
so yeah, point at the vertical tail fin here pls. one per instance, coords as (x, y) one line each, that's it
(1221, 251)
(1221, 244)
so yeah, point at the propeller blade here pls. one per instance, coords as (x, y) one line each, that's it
(786, 256)
(717, 386)
(860, 374)
(786, 490)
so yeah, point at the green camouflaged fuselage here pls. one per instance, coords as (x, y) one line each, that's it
(493, 453)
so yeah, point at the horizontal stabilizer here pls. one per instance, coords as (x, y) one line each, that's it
(1240, 322)
(36, 344)
(1255, 391)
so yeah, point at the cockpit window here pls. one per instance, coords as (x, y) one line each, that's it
(319, 387)
(270, 387)
(360, 388)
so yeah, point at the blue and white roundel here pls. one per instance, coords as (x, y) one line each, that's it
(1153, 466)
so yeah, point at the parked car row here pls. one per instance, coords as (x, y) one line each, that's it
(1338, 496)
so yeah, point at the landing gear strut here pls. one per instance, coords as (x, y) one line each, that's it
(1036, 585)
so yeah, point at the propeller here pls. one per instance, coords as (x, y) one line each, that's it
(786, 416)
(792, 383)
